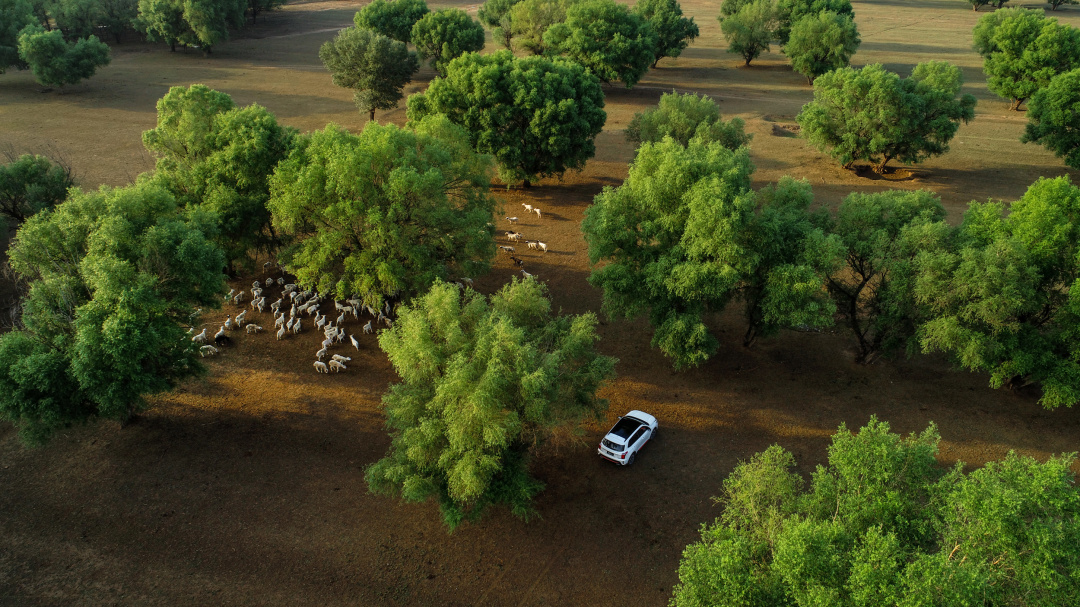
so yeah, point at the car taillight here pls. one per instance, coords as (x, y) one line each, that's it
(623, 456)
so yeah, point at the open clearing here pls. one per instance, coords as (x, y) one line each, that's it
(246, 488)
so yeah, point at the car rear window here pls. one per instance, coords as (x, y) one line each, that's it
(616, 447)
(625, 427)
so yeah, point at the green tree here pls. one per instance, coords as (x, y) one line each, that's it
(1023, 50)
(375, 66)
(119, 16)
(749, 31)
(201, 23)
(55, 62)
(485, 383)
(668, 241)
(14, 16)
(976, 4)
(821, 43)
(254, 7)
(393, 18)
(385, 212)
(76, 18)
(445, 35)
(1054, 118)
(882, 233)
(789, 12)
(684, 117)
(884, 524)
(163, 21)
(607, 38)
(217, 158)
(495, 14)
(872, 114)
(674, 32)
(1055, 4)
(537, 116)
(114, 277)
(1004, 299)
(530, 20)
(730, 7)
(30, 184)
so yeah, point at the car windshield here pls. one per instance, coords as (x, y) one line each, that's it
(616, 447)
(625, 427)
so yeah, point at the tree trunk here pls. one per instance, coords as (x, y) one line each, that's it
(1016, 104)
(371, 115)
(525, 183)
(748, 59)
(750, 337)
(172, 46)
(880, 169)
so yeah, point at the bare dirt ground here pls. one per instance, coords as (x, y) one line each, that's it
(246, 488)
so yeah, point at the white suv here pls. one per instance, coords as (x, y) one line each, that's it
(627, 437)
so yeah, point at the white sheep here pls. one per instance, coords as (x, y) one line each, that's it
(320, 366)
(532, 244)
(340, 319)
(281, 333)
(321, 353)
(239, 299)
(467, 281)
(355, 311)
(267, 265)
(268, 282)
(512, 219)
(355, 343)
(296, 327)
(340, 358)
(280, 281)
(252, 328)
(261, 305)
(514, 236)
(537, 211)
(207, 350)
(228, 323)
(200, 338)
(256, 285)
(507, 249)
(280, 322)
(337, 366)
(289, 288)
(220, 333)
(326, 343)
(542, 245)
(275, 306)
(320, 321)
(240, 318)
(230, 295)
(256, 293)
(367, 327)
(528, 207)
(527, 275)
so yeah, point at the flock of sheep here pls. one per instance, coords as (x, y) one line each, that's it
(309, 303)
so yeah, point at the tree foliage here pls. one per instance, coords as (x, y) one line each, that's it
(392, 18)
(674, 32)
(386, 212)
(881, 234)
(217, 158)
(495, 15)
(530, 20)
(790, 12)
(30, 184)
(56, 62)
(821, 43)
(684, 117)
(874, 115)
(1054, 118)
(1023, 50)
(750, 30)
(201, 23)
(884, 524)
(485, 383)
(445, 35)
(114, 276)
(1006, 299)
(607, 38)
(376, 67)
(1055, 4)
(537, 116)
(14, 16)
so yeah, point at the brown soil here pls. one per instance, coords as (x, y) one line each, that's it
(246, 487)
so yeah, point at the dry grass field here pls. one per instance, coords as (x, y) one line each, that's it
(246, 488)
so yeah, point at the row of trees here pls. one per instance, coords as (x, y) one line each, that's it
(685, 236)
(883, 523)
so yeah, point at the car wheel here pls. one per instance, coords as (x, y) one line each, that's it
(630, 461)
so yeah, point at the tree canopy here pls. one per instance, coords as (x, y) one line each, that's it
(392, 18)
(30, 184)
(201, 23)
(114, 276)
(1023, 50)
(684, 117)
(750, 30)
(56, 62)
(376, 67)
(14, 16)
(790, 12)
(495, 14)
(485, 383)
(530, 20)
(607, 38)
(537, 116)
(674, 32)
(445, 35)
(1005, 299)
(821, 43)
(874, 115)
(1054, 118)
(884, 524)
(386, 212)
(217, 158)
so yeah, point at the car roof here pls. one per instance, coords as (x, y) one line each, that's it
(625, 427)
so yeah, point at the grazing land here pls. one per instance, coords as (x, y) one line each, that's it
(247, 487)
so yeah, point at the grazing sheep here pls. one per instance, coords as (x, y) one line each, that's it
(326, 343)
(337, 366)
(266, 266)
(276, 305)
(527, 275)
(289, 288)
(537, 211)
(281, 333)
(239, 299)
(355, 311)
(280, 281)
(355, 343)
(228, 322)
(256, 293)
(320, 366)
(531, 243)
(253, 328)
(512, 219)
(517, 261)
(279, 322)
(207, 350)
(261, 306)
(321, 353)
(507, 249)
(367, 328)
(543, 246)
(268, 282)
(296, 327)
(240, 318)
(220, 332)
(230, 295)
(200, 338)
(320, 321)
(340, 319)
(528, 207)
(515, 237)
(340, 358)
